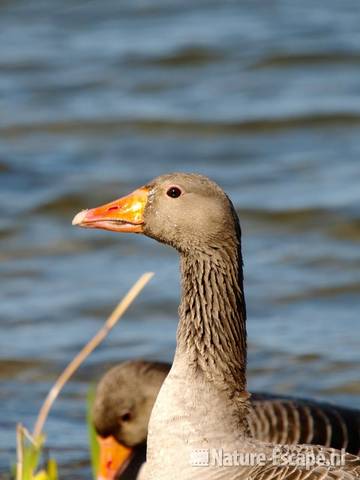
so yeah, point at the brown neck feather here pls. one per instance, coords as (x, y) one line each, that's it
(212, 328)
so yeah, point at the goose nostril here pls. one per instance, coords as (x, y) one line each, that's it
(112, 208)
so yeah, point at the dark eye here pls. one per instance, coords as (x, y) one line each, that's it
(173, 192)
(126, 417)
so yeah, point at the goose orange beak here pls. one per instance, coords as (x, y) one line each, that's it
(114, 458)
(123, 215)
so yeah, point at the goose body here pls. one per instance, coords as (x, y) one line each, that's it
(125, 396)
(203, 404)
(288, 420)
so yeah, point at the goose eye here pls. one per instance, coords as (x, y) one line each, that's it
(125, 417)
(173, 192)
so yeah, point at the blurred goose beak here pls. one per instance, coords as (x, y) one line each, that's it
(114, 458)
(123, 215)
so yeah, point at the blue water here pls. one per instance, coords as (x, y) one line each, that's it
(96, 98)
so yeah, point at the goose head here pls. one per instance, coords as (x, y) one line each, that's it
(186, 211)
(123, 402)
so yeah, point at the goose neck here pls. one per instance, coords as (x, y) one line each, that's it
(212, 328)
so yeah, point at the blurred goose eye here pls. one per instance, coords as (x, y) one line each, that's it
(126, 417)
(174, 192)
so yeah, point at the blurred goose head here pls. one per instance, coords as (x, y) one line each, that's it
(123, 402)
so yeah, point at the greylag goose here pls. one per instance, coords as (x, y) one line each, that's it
(200, 416)
(125, 396)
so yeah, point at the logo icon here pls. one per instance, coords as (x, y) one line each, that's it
(200, 457)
